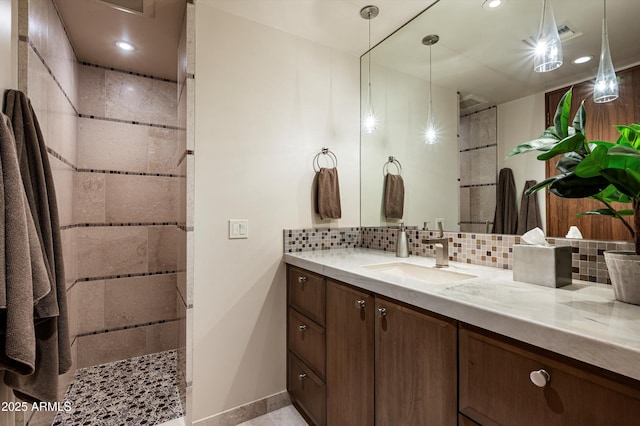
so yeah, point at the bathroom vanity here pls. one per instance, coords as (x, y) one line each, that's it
(375, 340)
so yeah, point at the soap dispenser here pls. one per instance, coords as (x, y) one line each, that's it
(402, 245)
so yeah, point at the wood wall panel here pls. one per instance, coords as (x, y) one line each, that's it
(601, 119)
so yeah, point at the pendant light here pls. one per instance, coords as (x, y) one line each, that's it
(548, 54)
(430, 134)
(369, 120)
(606, 87)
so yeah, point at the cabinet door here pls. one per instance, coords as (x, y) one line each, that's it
(415, 367)
(307, 293)
(350, 353)
(496, 387)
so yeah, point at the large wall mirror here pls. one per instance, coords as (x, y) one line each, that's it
(485, 97)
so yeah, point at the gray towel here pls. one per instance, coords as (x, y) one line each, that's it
(24, 280)
(529, 210)
(393, 196)
(53, 350)
(505, 219)
(328, 194)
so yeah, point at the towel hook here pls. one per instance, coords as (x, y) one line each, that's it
(326, 152)
(394, 162)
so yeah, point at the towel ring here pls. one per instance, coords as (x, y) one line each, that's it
(393, 162)
(326, 152)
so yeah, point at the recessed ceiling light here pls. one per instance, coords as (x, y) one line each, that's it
(582, 59)
(126, 46)
(492, 4)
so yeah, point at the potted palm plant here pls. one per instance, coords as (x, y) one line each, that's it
(608, 172)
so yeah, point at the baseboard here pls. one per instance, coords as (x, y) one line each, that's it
(247, 412)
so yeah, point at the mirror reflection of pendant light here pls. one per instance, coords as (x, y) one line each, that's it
(606, 87)
(369, 120)
(431, 133)
(548, 54)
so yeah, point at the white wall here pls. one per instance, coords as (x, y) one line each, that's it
(519, 121)
(266, 103)
(8, 44)
(430, 172)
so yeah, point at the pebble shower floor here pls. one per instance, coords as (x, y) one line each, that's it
(135, 391)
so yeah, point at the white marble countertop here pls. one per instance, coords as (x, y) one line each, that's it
(582, 320)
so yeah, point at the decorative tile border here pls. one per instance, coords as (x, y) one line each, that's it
(478, 147)
(46, 66)
(122, 172)
(126, 327)
(311, 239)
(115, 277)
(105, 224)
(480, 249)
(137, 74)
(137, 123)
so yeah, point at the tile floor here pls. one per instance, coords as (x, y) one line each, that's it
(287, 416)
(135, 391)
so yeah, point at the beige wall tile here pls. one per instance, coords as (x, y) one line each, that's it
(107, 145)
(91, 91)
(163, 151)
(63, 178)
(65, 380)
(133, 98)
(72, 309)
(105, 251)
(162, 337)
(69, 250)
(163, 248)
(132, 198)
(91, 305)
(139, 300)
(101, 348)
(90, 198)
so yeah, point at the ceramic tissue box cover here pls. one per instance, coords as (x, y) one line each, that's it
(546, 266)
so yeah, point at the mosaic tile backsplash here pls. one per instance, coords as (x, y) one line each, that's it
(479, 249)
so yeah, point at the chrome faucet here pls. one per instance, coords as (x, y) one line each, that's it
(442, 248)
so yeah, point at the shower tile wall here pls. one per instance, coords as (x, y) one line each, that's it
(48, 75)
(186, 144)
(477, 143)
(127, 204)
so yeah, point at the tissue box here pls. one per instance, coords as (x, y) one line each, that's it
(547, 266)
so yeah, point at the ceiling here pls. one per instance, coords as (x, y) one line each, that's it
(94, 26)
(482, 53)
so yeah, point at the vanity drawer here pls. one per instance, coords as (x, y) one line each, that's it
(307, 391)
(307, 293)
(307, 340)
(496, 387)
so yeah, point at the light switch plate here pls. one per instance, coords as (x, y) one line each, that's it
(238, 228)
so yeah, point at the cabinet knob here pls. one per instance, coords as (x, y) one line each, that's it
(302, 327)
(302, 279)
(540, 378)
(382, 312)
(361, 304)
(302, 376)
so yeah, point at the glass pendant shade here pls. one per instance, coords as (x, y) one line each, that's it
(430, 134)
(369, 124)
(369, 120)
(548, 54)
(606, 87)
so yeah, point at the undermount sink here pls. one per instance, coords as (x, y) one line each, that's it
(426, 274)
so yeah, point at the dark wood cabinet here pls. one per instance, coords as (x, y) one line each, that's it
(307, 391)
(306, 339)
(496, 387)
(382, 362)
(350, 356)
(307, 293)
(416, 356)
